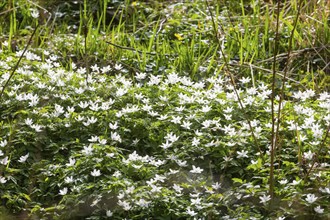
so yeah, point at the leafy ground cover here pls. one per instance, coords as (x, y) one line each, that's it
(164, 110)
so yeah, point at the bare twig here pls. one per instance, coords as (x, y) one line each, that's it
(318, 153)
(11, 9)
(273, 135)
(276, 123)
(138, 51)
(293, 53)
(226, 65)
(18, 62)
(248, 65)
(160, 26)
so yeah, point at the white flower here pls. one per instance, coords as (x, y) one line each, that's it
(171, 137)
(80, 118)
(81, 70)
(228, 110)
(198, 133)
(159, 178)
(196, 170)
(63, 191)
(186, 124)
(2, 180)
(83, 105)
(58, 110)
(94, 203)
(95, 68)
(245, 80)
(96, 173)
(113, 126)
(166, 145)
(181, 163)
(199, 85)
(71, 162)
(88, 150)
(109, 213)
(173, 171)
(115, 136)
(121, 91)
(136, 166)
(93, 139)
(206, 109)
(68, 179)
(283, 182)
(22, 159)
(176, 119)
(102, 141)
(126, 206)
(173, 78)
(91, 120)
(118, 66)
(3, 143)
(4, 161)
(116, 174)
(206, 124)
(28, 121)
(195, 142)
(196, 201)
(191, 212)
(177, 188)
(155, 188)
(264, 198)
(216, 186)
(228, 129)
(154, 80)
(130, 190)
(143, 203)
(104, 69)
(37, 128)
(310, 198)
(140, 76)
(242, 154)
(318, 210)
(179, 109)
(34, 13)
(325, 190)
(309, 155)
(295, 182)
(94, 106)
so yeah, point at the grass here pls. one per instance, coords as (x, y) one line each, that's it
(101, 50)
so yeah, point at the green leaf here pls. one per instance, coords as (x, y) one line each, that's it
(50, 209)
(27, 197)
(237, 180)
(12, 170)
(255, 166)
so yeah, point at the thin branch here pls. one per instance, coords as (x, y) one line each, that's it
(279, 73)
(273, 135)
(293, 53)
(286, 70)
(160, 26)
(226, 65)
(11, 9)
(276, 123)
(138, 51)
(318, 153)
(18, 62)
